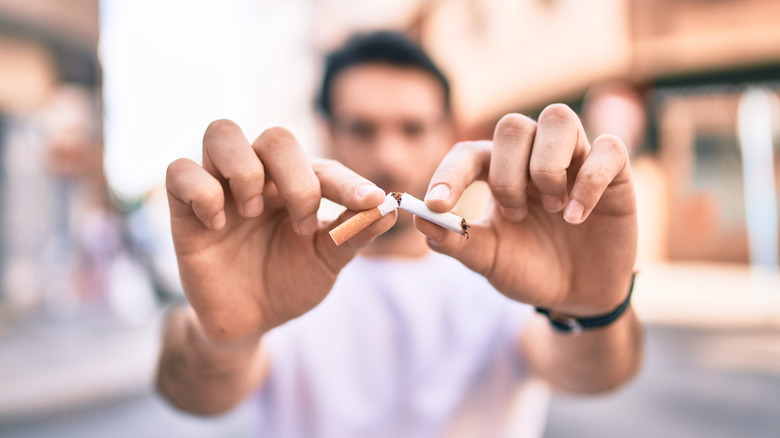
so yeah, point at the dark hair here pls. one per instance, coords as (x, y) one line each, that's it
(382, 47)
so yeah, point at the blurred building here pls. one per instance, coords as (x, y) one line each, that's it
(692, 59)
(45, 47)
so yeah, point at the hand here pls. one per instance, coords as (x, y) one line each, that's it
(251, 252)
(562, 231)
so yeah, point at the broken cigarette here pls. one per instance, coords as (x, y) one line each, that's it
(450, 221)
(394, 200)
(363, 219)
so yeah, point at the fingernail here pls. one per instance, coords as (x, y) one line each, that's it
(365, 189)
(309, 225)
(253, 207)
(551, 203)
(218, 221)
(513, 214)
(574, 211)
(439, 191)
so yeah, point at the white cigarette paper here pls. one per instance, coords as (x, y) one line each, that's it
(450, 221)
(388, 205)
(392, 201)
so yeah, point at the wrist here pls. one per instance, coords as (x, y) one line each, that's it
(197, 334)
(575, 324)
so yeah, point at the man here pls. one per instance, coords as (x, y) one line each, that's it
(401, 341)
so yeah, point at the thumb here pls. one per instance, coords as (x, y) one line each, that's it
(477, 250)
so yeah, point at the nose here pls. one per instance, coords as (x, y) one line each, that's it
(391, 155)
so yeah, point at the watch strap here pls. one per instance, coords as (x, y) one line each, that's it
(572, 324)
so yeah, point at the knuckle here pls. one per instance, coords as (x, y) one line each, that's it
(301, 190)
(505, 184)
(221, 127)
(325, 165)
(591, 177)
(557, 113)
(515, 126)
(613, 145)
(275, 137)
(547, 178)
(209, 197)
(309, 190)
(176, 168)
(508, 192)
(462, 147)
(320, 162)
(542, 168)
(307, 196)
(348, 186)
(335, 174)
(248, 176)
(468, 150)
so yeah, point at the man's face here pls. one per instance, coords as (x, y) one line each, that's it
(389, 125)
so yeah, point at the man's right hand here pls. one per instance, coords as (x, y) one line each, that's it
(250, 250)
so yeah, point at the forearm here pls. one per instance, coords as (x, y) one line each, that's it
(597, 360)
(204, 377)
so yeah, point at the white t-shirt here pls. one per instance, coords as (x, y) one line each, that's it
(399, 348)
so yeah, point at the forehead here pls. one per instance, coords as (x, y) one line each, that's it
(384, 91)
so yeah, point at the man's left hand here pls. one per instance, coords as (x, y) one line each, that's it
(562, 230)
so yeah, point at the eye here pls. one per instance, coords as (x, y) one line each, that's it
(362, 131)
(413, 130)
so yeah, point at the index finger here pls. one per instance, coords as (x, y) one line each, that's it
(289, 169)
(344, 186)
(465, 163)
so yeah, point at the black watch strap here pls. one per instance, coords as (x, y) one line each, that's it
(571, 324)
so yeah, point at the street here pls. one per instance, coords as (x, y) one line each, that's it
(695, 383)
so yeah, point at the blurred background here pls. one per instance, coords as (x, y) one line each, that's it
(98, 96)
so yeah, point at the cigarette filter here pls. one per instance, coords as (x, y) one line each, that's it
(363, 219)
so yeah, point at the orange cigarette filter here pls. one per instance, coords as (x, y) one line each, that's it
(354, 225)
(360, 221)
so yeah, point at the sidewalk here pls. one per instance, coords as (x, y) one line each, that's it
(50, 368)
(56, 368)
(703, 295)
